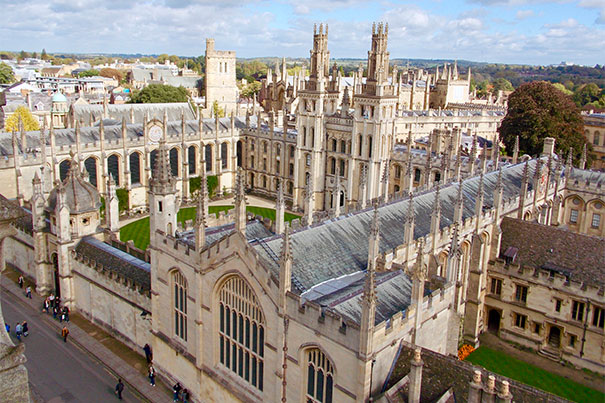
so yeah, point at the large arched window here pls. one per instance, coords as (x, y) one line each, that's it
(91, 167)
(179, 298)
(208, 156)
(174, 162)
(113, 168)
(241, 331)
(191, 157)
(63, 169)
(224, 155)
(320, 377)
(135, 168)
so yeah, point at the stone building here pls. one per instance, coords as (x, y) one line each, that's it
(219, 79)
(594, 131)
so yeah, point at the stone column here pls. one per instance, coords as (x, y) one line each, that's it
(474, 391)
(415, 377)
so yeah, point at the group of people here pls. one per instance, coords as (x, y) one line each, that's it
(52, 304)
(21, 329)
(28, 289)
(180, 394)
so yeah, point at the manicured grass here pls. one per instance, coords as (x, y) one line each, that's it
(138, 231)
(503, 364)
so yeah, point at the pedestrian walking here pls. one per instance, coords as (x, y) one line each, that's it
(65, 314)
(46, 305)
(64, 333)
(151, 375)
(176, 390)
(119, 389)
(25, 328)
(18, 330)
(21, 281)
(55, 312)
(185, 396)
(8, 328)
(148, 354)
(51, 299)
(28, 292)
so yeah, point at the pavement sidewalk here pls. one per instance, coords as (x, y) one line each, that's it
(120, 368)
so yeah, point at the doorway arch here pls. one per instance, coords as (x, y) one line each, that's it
(493, 321)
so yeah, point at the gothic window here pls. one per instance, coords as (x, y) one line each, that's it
(91, 168)
(135, 168)
(597, 138)
(224, 155)
(291, 171)
(252, 161)
(264, 164)
(342, 168)
(191, 156)
(208, 157)
(417, 174)
(360, 145)
(573, 217)
(312, 137)
(251, 145)
(332, 166)
(437, 176)
(179, 298)
(278, 149)
(238, 153)
(63, 169)
(290, 188)
(241, 331)
(598, 317)
(291, 152)
(277, 167)
(333, 144)
(304, 136)
(264, 146)
(596, 220)
(153, 157)
(308, 159)
(397, 171)
(265, 182)
(370, 147)
(174, 162)
(577, 311)
(320, 377)
(113, 168)
(343, 146)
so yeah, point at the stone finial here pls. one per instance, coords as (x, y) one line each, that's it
(583, 158)
(417, 357)
(504, 390)
(410, 214)
(491, 383)
(477, 377)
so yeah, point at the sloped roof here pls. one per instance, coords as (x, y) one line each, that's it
(580, 257)
(339, 246)
(116, 260)
(80, 195)
(174, 111)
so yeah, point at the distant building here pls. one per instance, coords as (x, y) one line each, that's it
(594, 131)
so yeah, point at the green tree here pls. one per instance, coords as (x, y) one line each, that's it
(159, 93)
(586, 94)
(7, 76)
(217, 110)
(562, 88)
(250, 89)
(22, 114)
(23, 55)
(43, 55)
(502, 84)
(88, 73)
(538, 110)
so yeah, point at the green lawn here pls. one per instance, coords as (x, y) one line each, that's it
(503, 364)
(138, 231)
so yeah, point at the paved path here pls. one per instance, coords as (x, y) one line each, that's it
(81, 370)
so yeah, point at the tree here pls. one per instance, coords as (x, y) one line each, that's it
(538, 110)
(562, 88)
(30, 123)
(217, 110)
(43, 55)
(7, 76)
(502, 84)
(251, 89)
(23, 55)
(112, 73)
(88, 73)
(158, 93)
(586, 94)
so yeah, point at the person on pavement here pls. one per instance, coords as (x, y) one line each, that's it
(64, 333)
(119, 389)
(25, 328)
(176, 389)
(20, 281)
(185, 396)
(151, 375)
(18, 331)
(148, 354)
(28, 292)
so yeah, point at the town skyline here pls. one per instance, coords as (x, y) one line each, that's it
(492, 31)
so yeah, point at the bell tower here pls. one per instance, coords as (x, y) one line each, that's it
(162, 195)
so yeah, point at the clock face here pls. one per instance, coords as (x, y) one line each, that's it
(155, 133)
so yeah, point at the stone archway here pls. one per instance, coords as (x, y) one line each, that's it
(554, 337)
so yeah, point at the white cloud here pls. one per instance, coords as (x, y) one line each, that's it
(523, 14)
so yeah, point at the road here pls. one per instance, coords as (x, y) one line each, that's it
(58, 371)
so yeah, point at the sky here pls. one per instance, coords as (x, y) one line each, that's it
(496, 31)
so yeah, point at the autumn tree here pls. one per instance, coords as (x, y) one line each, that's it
(7, 76)
(22, 114)
(250, 89)
(88, 73)
(112, 73)
(538, 110)
(43, 55)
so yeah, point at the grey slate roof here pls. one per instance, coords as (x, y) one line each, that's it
(339, 247)
(116, 260)
(584, 175)
(174, 111)
(254, 230)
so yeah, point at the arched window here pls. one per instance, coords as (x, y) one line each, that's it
(304, 136)
(291, 169)
(332, 166)
(113, 168)
(174, 162)
(241, 331)
(153, 157)
(417, 174)
(370, 147)
(179, 298)
(224, 155)
(238, 153)
(91, 167)
(63, 169)
(312, 137)
(397, 171)
(597, 138)
(333, 144)
(135, 168)
(191, 151)
(343, 146)
(208, 157)
(342, 168)
(320, 377)
(360, 144)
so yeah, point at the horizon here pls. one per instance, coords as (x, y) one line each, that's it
(518, 32)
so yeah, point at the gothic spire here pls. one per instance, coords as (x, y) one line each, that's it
(459, 207)
(240, 202)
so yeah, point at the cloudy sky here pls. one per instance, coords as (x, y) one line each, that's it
(508, 31)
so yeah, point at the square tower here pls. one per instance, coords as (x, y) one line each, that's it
(220, 78)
